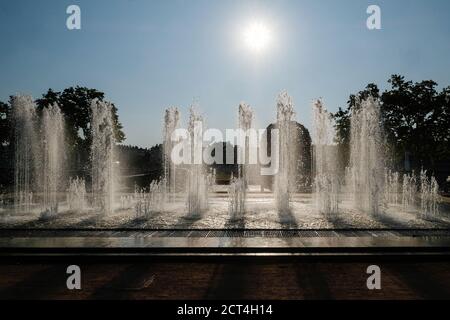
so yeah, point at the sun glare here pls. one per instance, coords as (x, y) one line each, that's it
(257, 37)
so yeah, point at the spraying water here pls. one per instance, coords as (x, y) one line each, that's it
(53, 156)
(171, 121)
(197, 186)
(76, 194)
(24, 116)
(102, 156)
(326, 183)
(236, 198)
(39, 158)
(392, 187)
(366, 157)
(245, 119)
(237, 191)
(285, 177)
(429, 196)
(409, 191)
(151, 201)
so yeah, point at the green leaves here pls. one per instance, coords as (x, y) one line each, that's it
(75, 103)
(5, 112)
(416, 118)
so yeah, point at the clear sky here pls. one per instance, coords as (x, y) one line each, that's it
(148, 55)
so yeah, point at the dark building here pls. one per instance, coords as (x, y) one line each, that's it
(301, 146)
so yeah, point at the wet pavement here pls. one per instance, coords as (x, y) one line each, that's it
(224, 242)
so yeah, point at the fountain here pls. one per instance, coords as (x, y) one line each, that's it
(410, 200)
(24, 115)
(392, 187)
(366, 157)
(102, 156)
(236, 198)
(53, 157)
(142, 203)
(76, 194)
(245, 118)
(151, 201)
(285, 177)
(237, 191)
(212, 177)
(197, 186)
(171, 120)
(326, 183)
(409, 191)
(429, 196)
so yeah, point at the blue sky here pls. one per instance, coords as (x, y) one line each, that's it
(148, 55)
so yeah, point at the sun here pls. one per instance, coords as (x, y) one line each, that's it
(257, 36)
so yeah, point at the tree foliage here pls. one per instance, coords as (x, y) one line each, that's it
(75, 104)
(415, 116)
(5, 123)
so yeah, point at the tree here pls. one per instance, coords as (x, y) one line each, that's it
(75, 104)
(140, 165)
(415, 117)
(342, 120)
(417, 120)
(5, 124)
(342, 117)
(6, 173)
